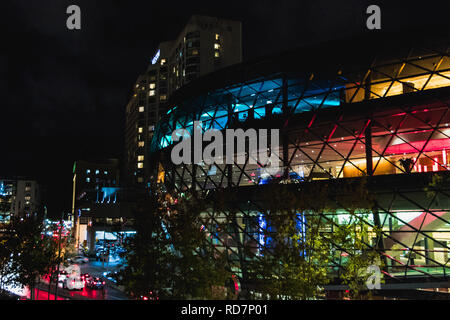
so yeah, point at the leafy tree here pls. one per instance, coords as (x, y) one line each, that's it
(199, 269)
(170, 254)
(148, 252)
(33, 253)
(7, 272)
(302, 240)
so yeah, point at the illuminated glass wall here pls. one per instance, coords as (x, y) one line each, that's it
(389, 121)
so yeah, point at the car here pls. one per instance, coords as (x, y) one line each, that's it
(102, 256)
(62, 276)
(74, 283)
(95, 283)
(149, 296)
(85, 276)
(79, 259)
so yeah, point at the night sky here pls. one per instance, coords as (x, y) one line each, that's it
(63, 93)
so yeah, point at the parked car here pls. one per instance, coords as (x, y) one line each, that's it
(102, 256)
(95, 283)
(78, 259)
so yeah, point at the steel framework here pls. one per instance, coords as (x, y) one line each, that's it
(388, 122)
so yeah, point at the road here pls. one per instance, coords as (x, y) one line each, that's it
(96, 269)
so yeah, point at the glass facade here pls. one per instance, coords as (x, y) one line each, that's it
(388, 121)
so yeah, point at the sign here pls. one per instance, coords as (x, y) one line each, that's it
(156, 57)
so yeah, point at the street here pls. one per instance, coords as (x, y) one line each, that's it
(95, 269)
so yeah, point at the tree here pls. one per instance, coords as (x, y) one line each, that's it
(301, 241)
(200, 271)
(7, 271)
(32, 253)
(148, 254)
(170, 254)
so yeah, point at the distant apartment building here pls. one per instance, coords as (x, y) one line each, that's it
(97, 205)
(206, 44)
(19, 198)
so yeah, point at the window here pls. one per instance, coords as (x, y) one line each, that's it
(141, 109)
(140, 130)
(141, 143)
(217, 36)
(105, 172)
(97, 171)
(163, 62)
(163, 97)
(151, 93)
(140, 158)
(216, 46)
(195, 52)
(152, 85)
(140, 165)
(88, 179)
(140, 180)
(88, 171)
(194, 34)
(216, 54)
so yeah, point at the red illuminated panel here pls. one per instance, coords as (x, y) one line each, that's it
(416, 146)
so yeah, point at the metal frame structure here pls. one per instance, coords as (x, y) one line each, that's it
(385, 117)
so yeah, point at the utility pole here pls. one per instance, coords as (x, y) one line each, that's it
(59, 254)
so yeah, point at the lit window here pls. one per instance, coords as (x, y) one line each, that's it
(163, 62)
(140, 179)
(140, 158)
(141, 109)
(105, 172)
(217, 36)
(140, 165)
(163, 97)
(97, 171)
(140, 129)
(88, 179)
(152, 86)
(151, 128)
(141, 143)
(195, 52)
(151, 93)
(137, 85)
(88, 171)
(216, 46)
(216, 54)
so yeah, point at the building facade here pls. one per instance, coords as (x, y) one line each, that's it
(19, 198)
(373, 108)
(206, 44)
(97, 201)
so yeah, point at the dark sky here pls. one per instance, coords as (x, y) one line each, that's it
(63, 93)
